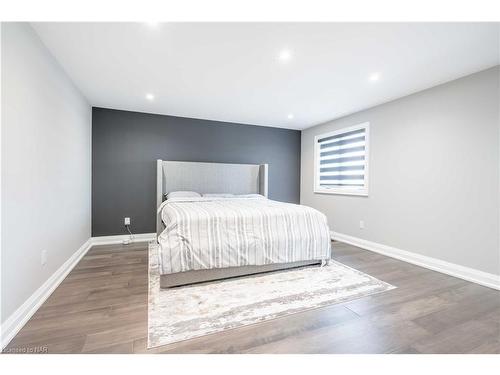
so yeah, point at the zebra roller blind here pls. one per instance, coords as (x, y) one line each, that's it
(341, 161)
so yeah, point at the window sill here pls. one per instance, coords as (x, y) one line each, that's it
(362, 193)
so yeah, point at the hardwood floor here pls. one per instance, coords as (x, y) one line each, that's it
(101, 307)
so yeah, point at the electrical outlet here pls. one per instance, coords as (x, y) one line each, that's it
(126, 221)
(43, 257)
(361, 224)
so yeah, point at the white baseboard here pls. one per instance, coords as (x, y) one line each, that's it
(18, 319)
(470, 274)
(111, 240)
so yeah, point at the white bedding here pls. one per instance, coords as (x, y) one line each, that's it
(210, 232)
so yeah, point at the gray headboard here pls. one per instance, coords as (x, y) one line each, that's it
(208, 178)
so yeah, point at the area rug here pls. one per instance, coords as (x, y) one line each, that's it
(197, 310)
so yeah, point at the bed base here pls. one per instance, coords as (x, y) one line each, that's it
(202, 276)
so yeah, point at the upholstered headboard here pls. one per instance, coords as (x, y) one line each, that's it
(208, 178)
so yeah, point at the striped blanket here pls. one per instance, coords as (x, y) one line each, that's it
(206, 233)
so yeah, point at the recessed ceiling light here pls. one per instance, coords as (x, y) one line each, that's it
(374, 77)
(285, 55)
(150, 97)
(290, 116)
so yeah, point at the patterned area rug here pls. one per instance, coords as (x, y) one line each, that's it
(192, 311)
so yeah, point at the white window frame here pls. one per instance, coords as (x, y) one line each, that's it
(342, 191)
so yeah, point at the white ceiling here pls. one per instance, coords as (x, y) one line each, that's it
(232, 71)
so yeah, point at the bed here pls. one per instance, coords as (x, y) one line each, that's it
(209, 238)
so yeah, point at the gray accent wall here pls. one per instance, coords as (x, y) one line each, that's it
(126, 145)
(434, 174)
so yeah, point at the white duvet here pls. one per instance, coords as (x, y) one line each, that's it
(212, 232)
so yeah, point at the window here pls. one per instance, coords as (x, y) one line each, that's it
(341, 161)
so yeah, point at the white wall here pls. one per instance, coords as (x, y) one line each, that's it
(46, 166)
(434, 174)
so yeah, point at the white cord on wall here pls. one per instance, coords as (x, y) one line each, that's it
(127, 241)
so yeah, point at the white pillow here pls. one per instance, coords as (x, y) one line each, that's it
(183, 194)
(249, 196)
(224, 195)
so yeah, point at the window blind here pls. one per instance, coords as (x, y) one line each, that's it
(342, 160)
